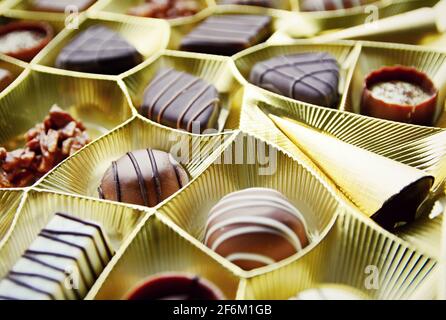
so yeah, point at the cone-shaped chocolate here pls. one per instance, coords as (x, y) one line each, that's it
(387, 191)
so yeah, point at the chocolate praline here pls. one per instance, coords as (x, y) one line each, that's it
(182, 101)
(329, 5)
(60, 5)
(143, 177)
(175, 286)
(221, 34)
(311, 77)
(401, 94)
(98, 49)
(258, 3)
(256, 227)
(24, 39)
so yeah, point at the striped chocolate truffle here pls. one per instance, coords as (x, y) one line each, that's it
(182, 101)
(255, 227)
(143, 177)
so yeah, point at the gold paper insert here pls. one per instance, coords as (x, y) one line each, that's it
(39, 207)
(239, 168)
(158, 248)
(135, 134)
(9, 203)
(213, 69)
(100, 104)
(356, 254)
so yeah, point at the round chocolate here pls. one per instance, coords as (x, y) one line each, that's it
(401, 94)
(330, 292)
(143, 177)
(175, 287)
(24, 39)
(255, 227)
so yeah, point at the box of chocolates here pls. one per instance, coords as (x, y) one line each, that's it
(202, 150)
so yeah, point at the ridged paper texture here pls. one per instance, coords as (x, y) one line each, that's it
(100, 104)
(82, 173)
(358, 255)
(158, 248)
(308, 191)
(357, 172)
(38, 209)
(9, 203)
(214, 70)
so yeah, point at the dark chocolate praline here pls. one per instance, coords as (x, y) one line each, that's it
(311, 77)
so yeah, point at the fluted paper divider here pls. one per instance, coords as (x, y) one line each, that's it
(357, 254)
(38, 208)
(214, 70)
(137, 133)
(9, 203)
(99, 103)
(158, 246)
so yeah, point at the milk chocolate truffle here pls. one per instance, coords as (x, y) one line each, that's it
(309, 77)
(143, 177)
(330, 292)
(180, 100)
(401, 94)
(98, 49)
(227, 34)
(165, 9)
(328, 5)
(255, 227)
(175, 286)
(67, 249)
(5, 79)
(60, 5)
(24, 39)
(258, 3)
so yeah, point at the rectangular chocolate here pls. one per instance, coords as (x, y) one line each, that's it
(227, 34)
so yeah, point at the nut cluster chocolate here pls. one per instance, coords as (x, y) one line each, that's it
(47, 144)
(165, 9)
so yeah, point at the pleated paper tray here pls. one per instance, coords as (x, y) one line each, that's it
(169, 236)
(417, 146)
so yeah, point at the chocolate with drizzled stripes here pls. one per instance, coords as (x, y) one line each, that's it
(255, 227)
(227, 34)
(143, 177)
(328, 5)
(309, 77)
(63, 262)
(181, 101)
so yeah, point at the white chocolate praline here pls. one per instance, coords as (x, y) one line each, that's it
(330, 292)
(256, 227)
(62, 263)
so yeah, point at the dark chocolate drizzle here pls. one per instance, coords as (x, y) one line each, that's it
(43, 277)
(155, 175)
(30, 287)
(116, 178)
(77, 234)
(161, 92)
(97, 227)
(141, 180)
(177, 174)
(82, 249)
